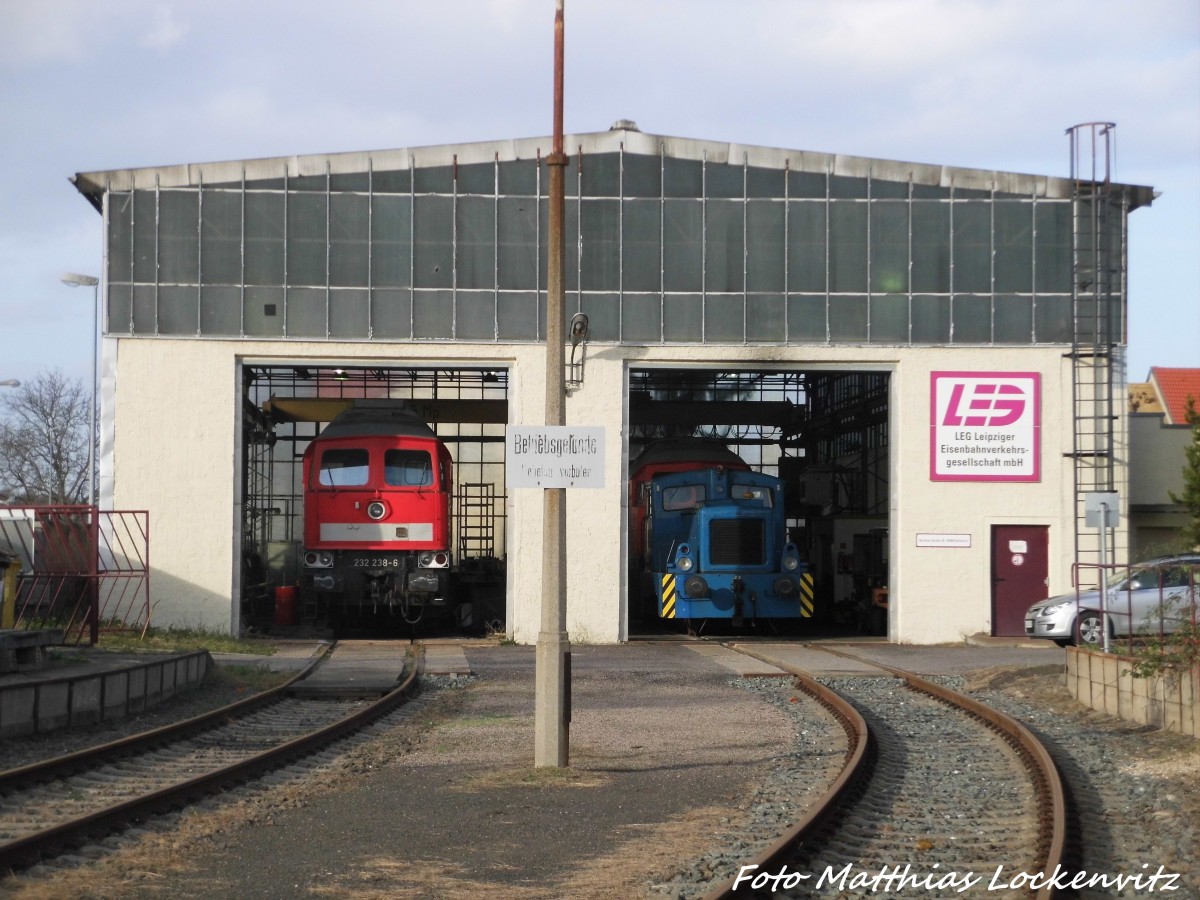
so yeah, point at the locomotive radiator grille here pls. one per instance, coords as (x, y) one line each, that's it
(737, 542)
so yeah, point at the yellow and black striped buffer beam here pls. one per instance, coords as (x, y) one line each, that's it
(668, 596)
(806, 595)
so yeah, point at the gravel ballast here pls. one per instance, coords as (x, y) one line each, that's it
(679, 772)
(1134, 790)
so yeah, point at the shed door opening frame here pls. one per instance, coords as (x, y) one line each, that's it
(467, 406)
(824, 429)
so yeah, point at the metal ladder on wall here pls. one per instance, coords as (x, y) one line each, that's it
(476, 515)
(1096, 348)
(256, 487)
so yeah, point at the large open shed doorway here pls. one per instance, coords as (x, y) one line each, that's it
(825, 434)
(286, 405)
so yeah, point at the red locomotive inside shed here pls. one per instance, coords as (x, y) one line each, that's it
(377, 489)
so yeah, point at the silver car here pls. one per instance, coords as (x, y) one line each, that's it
(1156, 595)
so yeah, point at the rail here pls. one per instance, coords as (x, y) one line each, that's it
(1048, 785)
(857, 756)
(28, 850)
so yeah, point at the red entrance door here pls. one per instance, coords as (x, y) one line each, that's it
(1020, 575)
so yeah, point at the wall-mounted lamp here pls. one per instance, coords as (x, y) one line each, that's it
(579, 334)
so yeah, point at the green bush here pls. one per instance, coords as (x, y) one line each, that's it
(1176, 652)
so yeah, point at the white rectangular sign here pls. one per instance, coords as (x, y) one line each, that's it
(554, 456)
(1101, 509)
(985, 426)
(935, 539)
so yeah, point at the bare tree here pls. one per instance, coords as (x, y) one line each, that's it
(44, 440)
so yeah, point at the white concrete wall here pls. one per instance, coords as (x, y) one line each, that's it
(176, 436)
(939, 594)
(174, 443)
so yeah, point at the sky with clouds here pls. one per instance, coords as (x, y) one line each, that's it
(988, 84)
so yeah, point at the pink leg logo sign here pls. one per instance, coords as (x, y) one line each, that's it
(985, 426)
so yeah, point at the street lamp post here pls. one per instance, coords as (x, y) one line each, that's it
(72, 279)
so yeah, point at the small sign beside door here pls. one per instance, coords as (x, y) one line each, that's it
(933, 539)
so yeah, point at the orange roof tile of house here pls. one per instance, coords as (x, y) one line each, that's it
(1174, 386)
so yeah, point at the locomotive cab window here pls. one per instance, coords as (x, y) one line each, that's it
(753, 494)
(407, 468)
(344, 467)
(685, 496)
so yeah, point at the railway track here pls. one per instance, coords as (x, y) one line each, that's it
(52, 807)
(937, 791)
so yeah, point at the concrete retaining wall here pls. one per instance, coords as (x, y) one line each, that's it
(1103, 682)
(97, 695)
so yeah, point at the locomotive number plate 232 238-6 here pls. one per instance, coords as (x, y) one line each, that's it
(380, 563)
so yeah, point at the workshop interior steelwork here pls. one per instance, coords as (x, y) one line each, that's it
(285, 406)
(825, 433)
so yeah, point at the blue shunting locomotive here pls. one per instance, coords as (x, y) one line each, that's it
(714, 545)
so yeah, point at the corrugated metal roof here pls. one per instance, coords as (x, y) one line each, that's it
(1174, 386)
(93, 185)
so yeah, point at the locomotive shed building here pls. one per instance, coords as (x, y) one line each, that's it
(932, 357)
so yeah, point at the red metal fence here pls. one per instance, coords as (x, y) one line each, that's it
(83, 569)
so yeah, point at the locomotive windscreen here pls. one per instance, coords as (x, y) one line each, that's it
(407, 468)
(737, 542)
(344, 467)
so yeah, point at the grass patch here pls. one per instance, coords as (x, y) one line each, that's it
(548, 776)
(496, 719)
(181, 640)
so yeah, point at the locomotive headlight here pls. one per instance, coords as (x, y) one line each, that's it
(791, 558)
(376, 510)
(433, 559)
(684, 563)
(318, 559)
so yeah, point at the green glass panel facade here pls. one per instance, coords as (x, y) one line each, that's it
(658, 249)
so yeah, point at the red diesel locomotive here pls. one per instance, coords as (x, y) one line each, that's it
(377, 489)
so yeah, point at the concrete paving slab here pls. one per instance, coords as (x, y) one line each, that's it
(960, 658)
(291, 656)
(810, 660)
(446, 659)
(815, 659)
(357, 667)
(740, 664)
